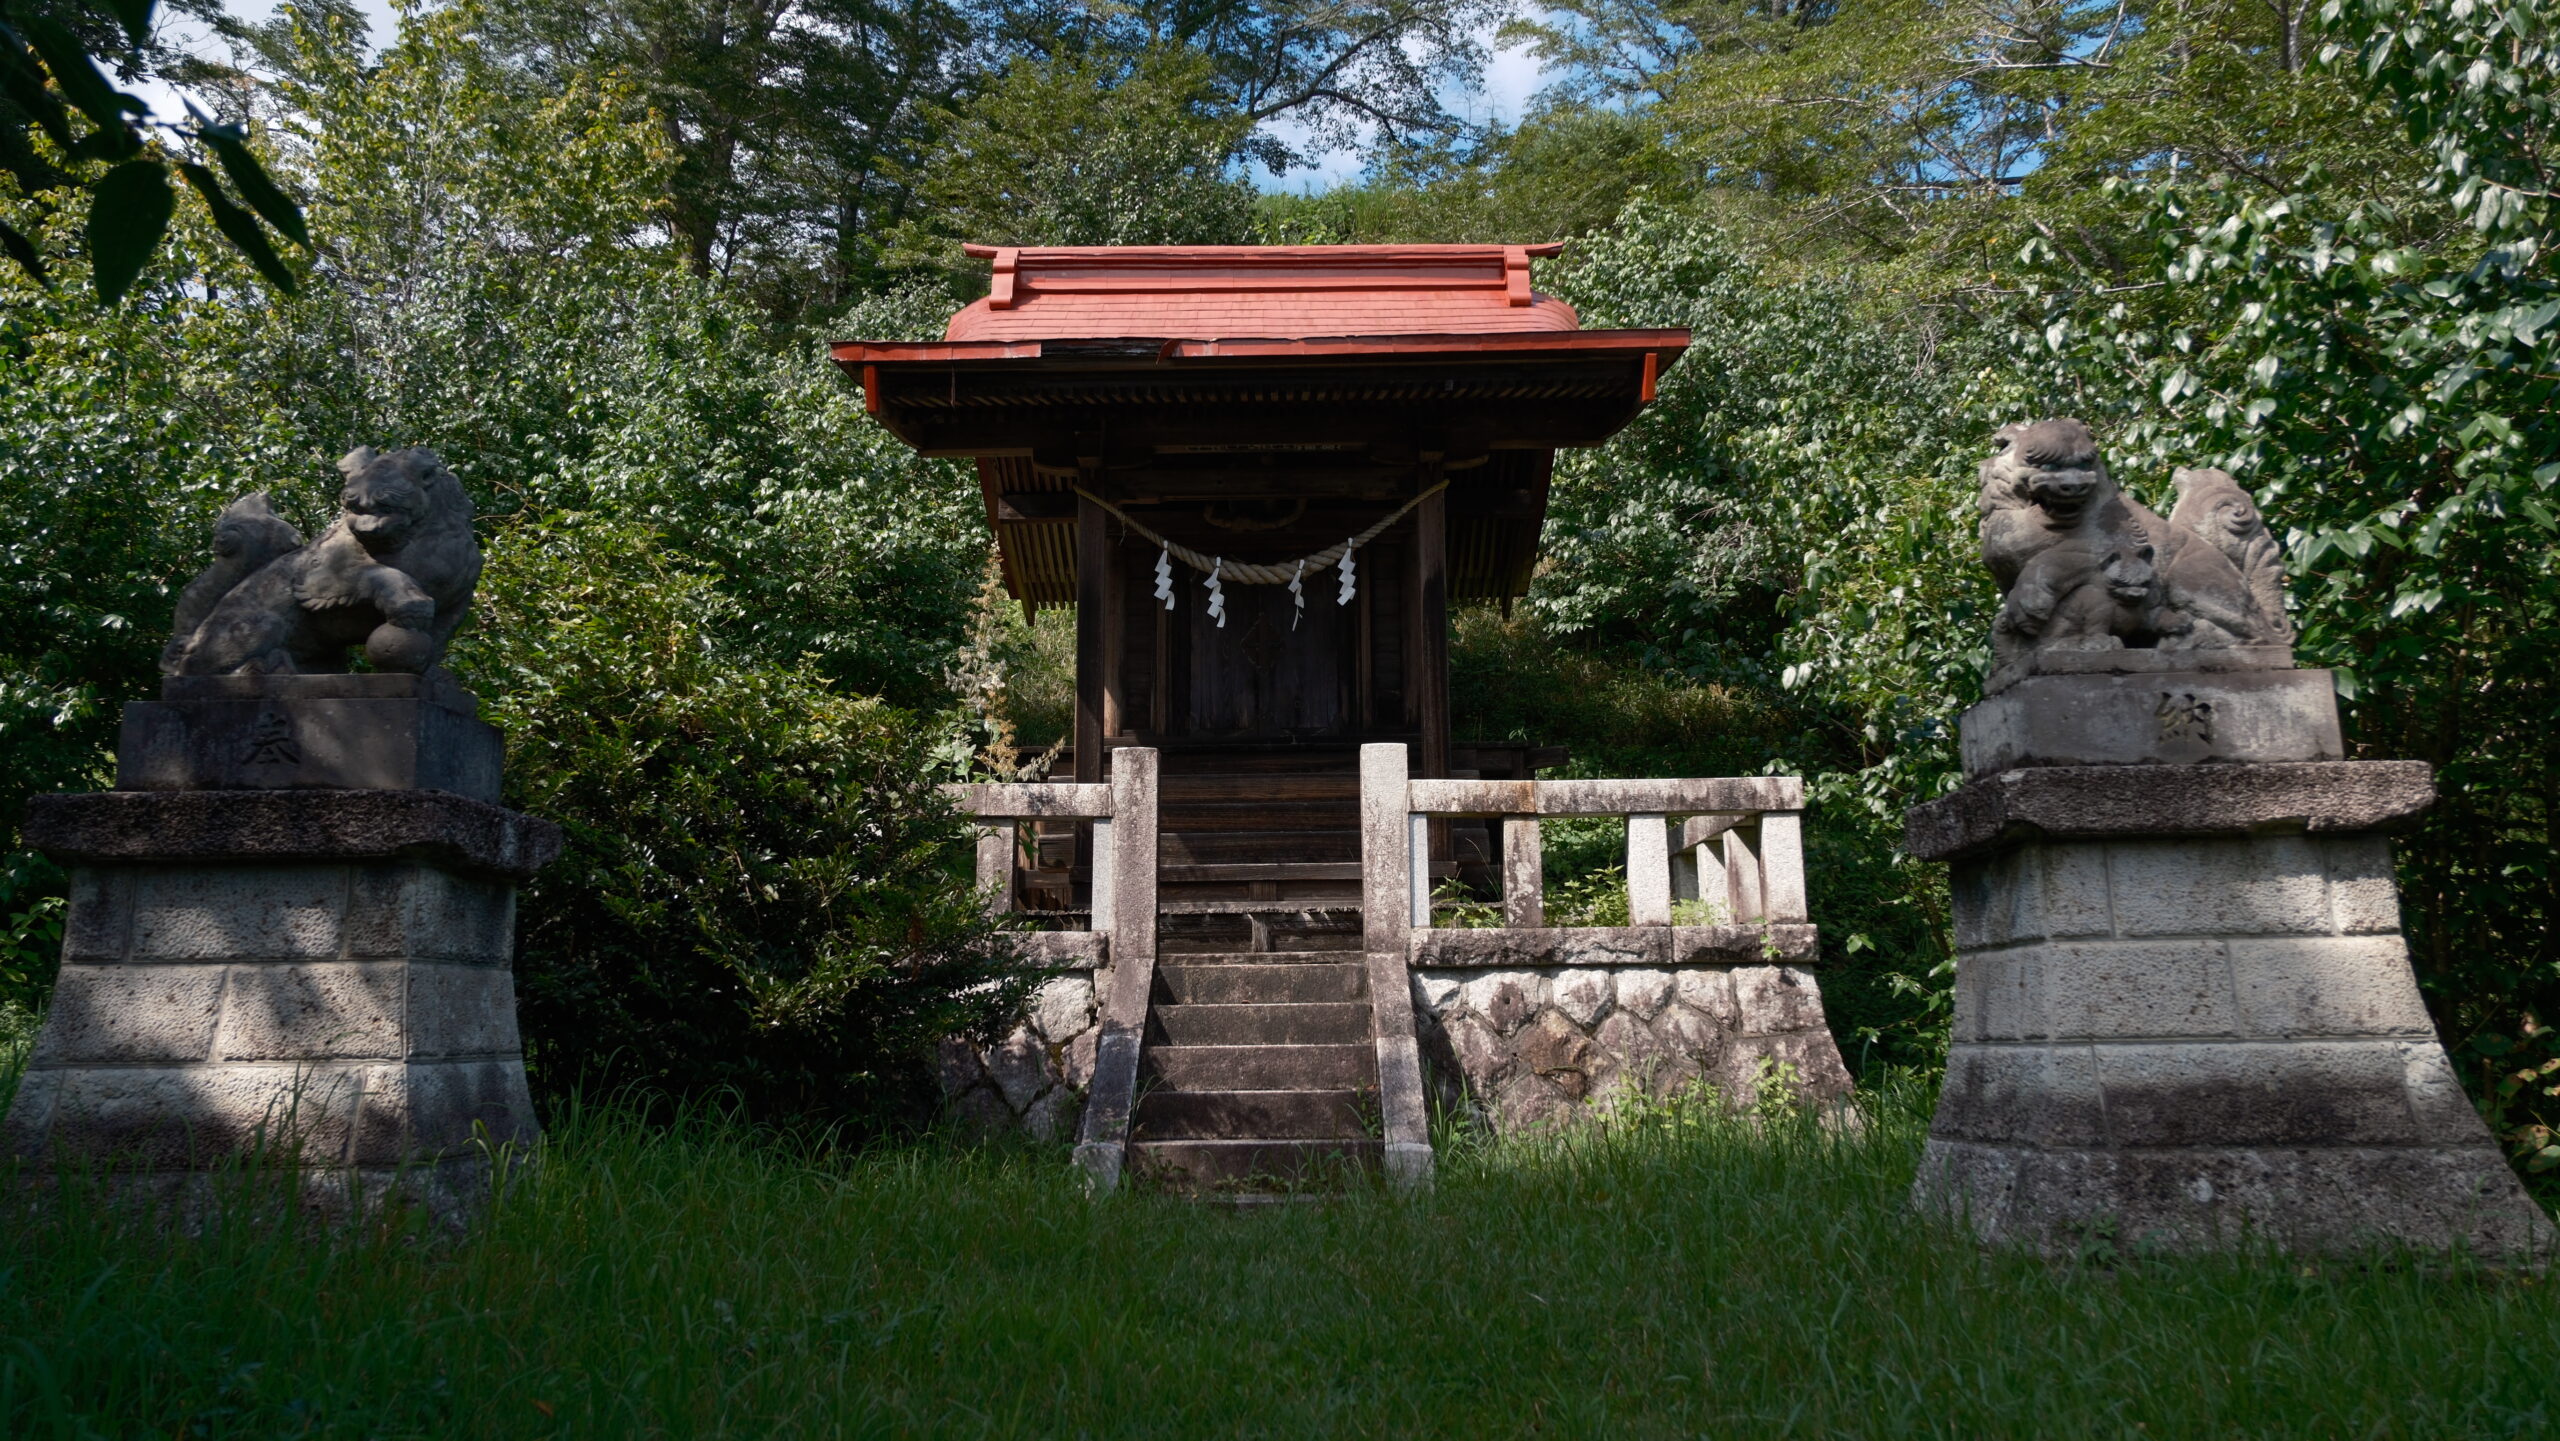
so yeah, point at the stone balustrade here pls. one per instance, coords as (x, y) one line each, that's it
(1526, 1024)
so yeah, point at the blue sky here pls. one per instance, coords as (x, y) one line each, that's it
(1509, 82)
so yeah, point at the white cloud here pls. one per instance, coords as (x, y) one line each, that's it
(1510, 81)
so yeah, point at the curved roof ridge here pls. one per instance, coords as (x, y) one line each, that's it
(1214, 292)
(1540, 250)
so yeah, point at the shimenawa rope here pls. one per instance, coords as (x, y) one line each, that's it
(1239, 572)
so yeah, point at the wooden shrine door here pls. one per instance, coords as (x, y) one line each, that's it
(1272, 673)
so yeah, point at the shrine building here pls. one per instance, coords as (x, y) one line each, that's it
(1167, 437)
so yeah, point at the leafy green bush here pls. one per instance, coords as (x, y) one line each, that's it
(762, 893)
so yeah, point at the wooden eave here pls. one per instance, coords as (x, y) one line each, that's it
(1339, 420)
(1528, 390)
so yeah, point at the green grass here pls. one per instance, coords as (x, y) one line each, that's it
(1678, 1277)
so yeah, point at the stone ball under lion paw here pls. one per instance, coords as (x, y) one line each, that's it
(398, 647)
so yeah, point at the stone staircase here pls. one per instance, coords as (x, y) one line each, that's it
(1259, 1074)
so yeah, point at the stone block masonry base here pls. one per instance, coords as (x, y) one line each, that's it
(1530, 1046)
(354, 1017)
(1519, 1043)
(2192, 1040)
(1035, 1077)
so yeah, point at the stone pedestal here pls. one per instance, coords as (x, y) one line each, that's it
(318, 974)
(2184, 1013)
(374, 731)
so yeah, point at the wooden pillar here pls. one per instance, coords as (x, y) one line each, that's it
(1160, 702)
(1427, 657)
(1364, 701)
(1115, 635)
(1092, 623)
(1430, 656)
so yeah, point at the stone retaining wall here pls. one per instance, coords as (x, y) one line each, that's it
(1526, 1048)
(1521, 1027)
(1034, 1079)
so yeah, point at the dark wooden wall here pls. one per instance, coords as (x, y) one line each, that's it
(1338, 673)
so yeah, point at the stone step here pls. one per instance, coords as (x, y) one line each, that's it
(1319, 958)
(1263, 1068)
(1262, 1115)
(1208, 1165)
(1260, 982)
(1195, 927)
(1314, 1023)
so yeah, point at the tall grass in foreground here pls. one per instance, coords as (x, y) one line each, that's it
(1680, 1275)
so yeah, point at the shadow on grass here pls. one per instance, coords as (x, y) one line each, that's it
(1680, 1274)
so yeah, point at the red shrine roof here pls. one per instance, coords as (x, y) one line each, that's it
(1267, 292)
(1319, 373)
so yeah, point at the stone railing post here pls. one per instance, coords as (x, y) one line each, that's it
(1648, 871)
(1742, 874)
(1524, 873)
(1782, 884)
(1125, 887)
(2184, 1012)
(1701, 841)
(995, 864)
(1390, 887)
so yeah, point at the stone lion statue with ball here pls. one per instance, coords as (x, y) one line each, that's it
(394, 575)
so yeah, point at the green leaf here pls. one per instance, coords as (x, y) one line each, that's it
(136, 15)
(128, 213)
(250, 179)
(23, 251)
(23, 82)
(239, 227)
(83, 84)
(2528, 327)
(20, 159)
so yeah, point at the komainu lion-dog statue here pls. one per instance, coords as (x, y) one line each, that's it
(394, 575)
(2083, 566)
